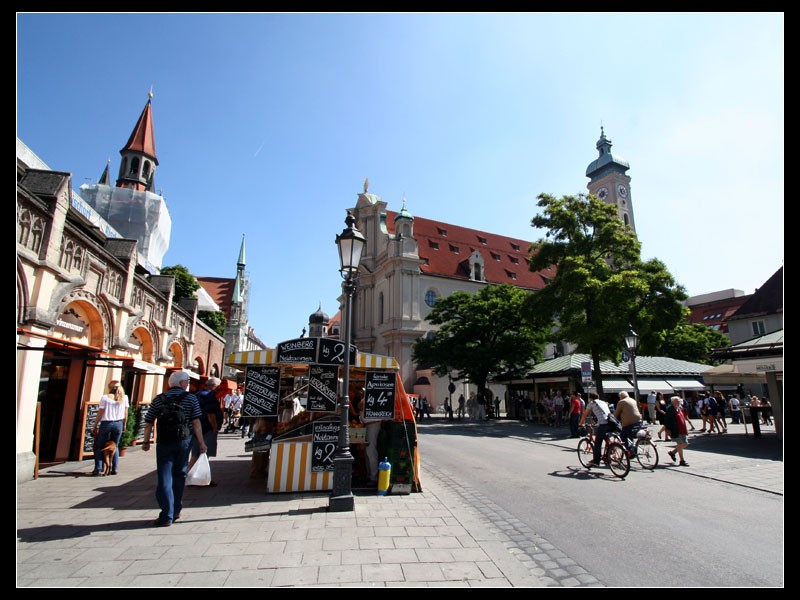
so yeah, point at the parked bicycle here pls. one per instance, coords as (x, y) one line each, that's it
(614, 453)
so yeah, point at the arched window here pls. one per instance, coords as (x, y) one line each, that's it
(134, 166)
(478, 275)
(146, 170)
(38, 234)
(24, 228)
(77, 260)
(625, 220)
(430, 298)
(380, 308)
(66, 255)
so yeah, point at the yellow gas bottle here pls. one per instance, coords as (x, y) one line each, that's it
(384, 473)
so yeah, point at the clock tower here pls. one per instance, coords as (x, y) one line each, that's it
(608, 181)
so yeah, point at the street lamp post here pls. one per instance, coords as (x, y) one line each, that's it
(632, 343)
(351, 243)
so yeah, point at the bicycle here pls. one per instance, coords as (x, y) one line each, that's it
(644, 450)
(614, 453)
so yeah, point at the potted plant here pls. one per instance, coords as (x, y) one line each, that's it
(131, 427)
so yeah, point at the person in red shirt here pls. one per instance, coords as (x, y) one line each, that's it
(574, 415)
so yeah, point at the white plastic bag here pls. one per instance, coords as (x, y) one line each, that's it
(200, 473)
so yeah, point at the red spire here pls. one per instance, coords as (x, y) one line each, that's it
(143, 138)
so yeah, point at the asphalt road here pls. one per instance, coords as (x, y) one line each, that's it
(663, 528)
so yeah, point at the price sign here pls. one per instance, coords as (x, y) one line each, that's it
(379, 391)
(261, 392)
(325, 439)
(322, 382)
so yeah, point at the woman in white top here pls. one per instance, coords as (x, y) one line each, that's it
(112, 415)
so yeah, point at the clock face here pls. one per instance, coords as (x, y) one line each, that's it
(602, 193)
(622, 191)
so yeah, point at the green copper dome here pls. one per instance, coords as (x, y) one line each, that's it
(606, 162)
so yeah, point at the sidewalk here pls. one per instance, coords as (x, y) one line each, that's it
(76, 530)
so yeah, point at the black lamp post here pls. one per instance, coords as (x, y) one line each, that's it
(351, 244)
(632, 343)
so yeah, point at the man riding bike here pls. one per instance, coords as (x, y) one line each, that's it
(629, 416)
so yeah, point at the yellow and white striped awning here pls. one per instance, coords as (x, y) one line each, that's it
(364, 360)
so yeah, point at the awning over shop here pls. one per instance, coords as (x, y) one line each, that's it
(364, 360)
(611, 386)
(653, 385)
(140, 365)
(730, 374)
(687, 385)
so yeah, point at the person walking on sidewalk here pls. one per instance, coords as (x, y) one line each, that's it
(675, 420)
(177, 414)
(112, 415)
(210, 421)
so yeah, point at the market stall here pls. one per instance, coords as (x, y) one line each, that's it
(292, 393)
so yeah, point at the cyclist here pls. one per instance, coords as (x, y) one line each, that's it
(629, 416)
(598, 408)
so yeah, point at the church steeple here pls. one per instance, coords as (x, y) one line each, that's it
(609, 181)
(139, 159)
(240, 262)
(105, 178)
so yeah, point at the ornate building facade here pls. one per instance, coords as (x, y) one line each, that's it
(89, 311)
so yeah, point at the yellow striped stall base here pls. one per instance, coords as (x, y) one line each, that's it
(290, 469)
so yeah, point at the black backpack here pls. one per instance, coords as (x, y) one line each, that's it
(172, 423)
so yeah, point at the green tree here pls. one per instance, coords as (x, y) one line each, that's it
(185, 283)
(214, 319)
(601, 286)
(479, 334)
(689, 341)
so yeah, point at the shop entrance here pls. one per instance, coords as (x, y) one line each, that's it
(52, 392)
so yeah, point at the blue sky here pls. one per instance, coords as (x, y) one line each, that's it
(267, 124)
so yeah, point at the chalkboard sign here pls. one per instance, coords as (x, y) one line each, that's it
(331, 352)
(88, 425)
(322, 351)
(301, 350)
(322, 384)
(379, 400)
(261, 392)
(324, 442)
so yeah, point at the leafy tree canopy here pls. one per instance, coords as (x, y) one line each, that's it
(688, 341)
(185, 283)
(214, 319)
(480, 334)
(601, 286)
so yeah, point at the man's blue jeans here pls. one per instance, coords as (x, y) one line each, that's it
(109, 430)
(628, 435)
(172, 464)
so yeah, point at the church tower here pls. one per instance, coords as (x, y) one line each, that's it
(139, 162)
(608, 181)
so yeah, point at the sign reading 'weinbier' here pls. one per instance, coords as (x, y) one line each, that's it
(321, 351)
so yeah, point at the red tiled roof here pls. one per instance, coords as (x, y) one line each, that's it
(143, 137)
(446, 249)
(715, 314)
(221, 291)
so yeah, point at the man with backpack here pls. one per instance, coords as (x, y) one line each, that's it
(177, 414)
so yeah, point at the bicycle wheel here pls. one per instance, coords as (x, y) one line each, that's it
(585, 452)
(647, 454)
(618, 460)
